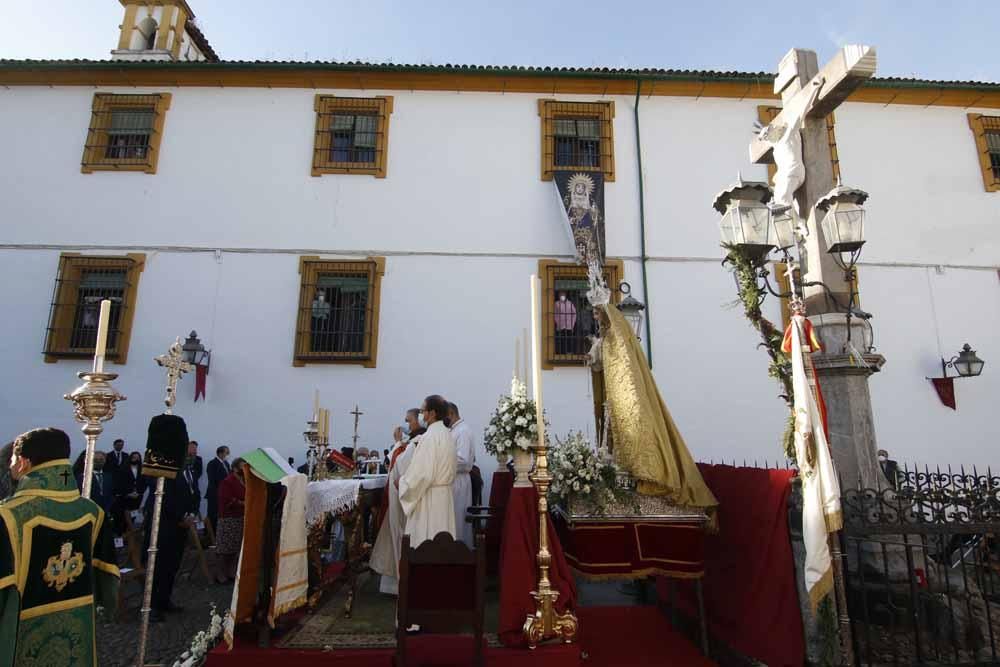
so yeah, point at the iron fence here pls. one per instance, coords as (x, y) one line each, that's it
(923, 568)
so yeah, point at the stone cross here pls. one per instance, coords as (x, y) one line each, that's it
(809, 95)
(798, 79)
(357, 415)
(176, 367)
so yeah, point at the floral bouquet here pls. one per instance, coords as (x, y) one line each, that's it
(513, 424)
(202, 643)
(582, 474)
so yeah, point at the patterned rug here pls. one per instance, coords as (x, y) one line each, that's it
(372, 622)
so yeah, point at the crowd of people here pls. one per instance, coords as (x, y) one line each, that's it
(126, 499)
(432, 482)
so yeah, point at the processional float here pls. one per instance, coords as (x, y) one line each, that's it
(628, 409)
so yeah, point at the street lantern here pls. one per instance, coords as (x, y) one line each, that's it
(746, 219)
(784, 228)
(631, 309)
(194, 352)
(844, 222)
(967, 363)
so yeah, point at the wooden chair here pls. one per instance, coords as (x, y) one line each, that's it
(441, 588)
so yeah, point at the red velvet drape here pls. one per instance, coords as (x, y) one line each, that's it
(503, 481)
(519, 567)
(750, 597)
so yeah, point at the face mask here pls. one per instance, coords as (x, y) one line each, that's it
(406, 428)
(562, 297)
(421, 421)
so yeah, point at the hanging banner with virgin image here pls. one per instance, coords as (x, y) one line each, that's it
(581, 197)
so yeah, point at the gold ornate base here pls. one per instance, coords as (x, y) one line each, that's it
(547, 623)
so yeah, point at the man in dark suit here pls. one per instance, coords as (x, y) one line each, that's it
(171, 541)
(192, 474)
(102, 484)
(218, 470)
(117, 458)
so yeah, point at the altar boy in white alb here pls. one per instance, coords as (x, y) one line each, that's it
(465, 458)
(425, 489)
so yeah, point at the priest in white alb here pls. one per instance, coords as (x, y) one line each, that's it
(385, 554)
(425, 489)
(465, 458)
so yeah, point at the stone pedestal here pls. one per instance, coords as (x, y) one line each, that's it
(843, 378)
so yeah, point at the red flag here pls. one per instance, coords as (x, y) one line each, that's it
(200, 378)
(945, 388)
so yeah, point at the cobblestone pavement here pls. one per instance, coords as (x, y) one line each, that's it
(117, 642)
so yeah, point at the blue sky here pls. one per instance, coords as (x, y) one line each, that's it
(935, 40)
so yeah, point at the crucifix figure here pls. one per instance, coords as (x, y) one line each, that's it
(798, 143)
(357, 415)
(176, 367)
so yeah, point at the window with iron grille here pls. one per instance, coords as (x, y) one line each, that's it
(81, 284)
(578, 136)
(352, 135)
(125, 132)
(986, 131)
(567, 318)
(338, 311)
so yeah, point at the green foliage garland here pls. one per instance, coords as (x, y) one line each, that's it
(751, 295)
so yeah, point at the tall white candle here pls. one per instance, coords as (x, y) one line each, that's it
(316, 405)
(536, 357)
(526, 367)
(517, 358)
(102, 336)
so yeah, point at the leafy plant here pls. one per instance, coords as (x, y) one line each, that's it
(751, 295)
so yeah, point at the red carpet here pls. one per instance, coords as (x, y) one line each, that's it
(611, 636)
(427, 651)
(634, 637)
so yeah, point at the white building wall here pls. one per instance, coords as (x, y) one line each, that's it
(463, 218)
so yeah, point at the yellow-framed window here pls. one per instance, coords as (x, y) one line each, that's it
(352, 135)
(579, 136)
(125, 132)
(986, 132)
(337, 319)
(82, 282)
(567, 318)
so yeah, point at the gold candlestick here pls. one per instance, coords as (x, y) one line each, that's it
(546, 622)
(93, 403)
(317, 449)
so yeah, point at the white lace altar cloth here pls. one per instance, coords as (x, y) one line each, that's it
(337, 495)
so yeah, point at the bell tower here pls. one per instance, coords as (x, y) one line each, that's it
(161, 30)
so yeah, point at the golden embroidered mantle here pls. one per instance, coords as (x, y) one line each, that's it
(646, 440)
(57, 562)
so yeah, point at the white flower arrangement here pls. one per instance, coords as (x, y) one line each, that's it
(202, 643)
(579, 472)
(513, 423)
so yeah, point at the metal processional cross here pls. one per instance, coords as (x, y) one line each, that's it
(176, 367)
(357, 415)
(811, 94)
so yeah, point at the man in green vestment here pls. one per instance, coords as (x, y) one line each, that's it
(56, 560)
